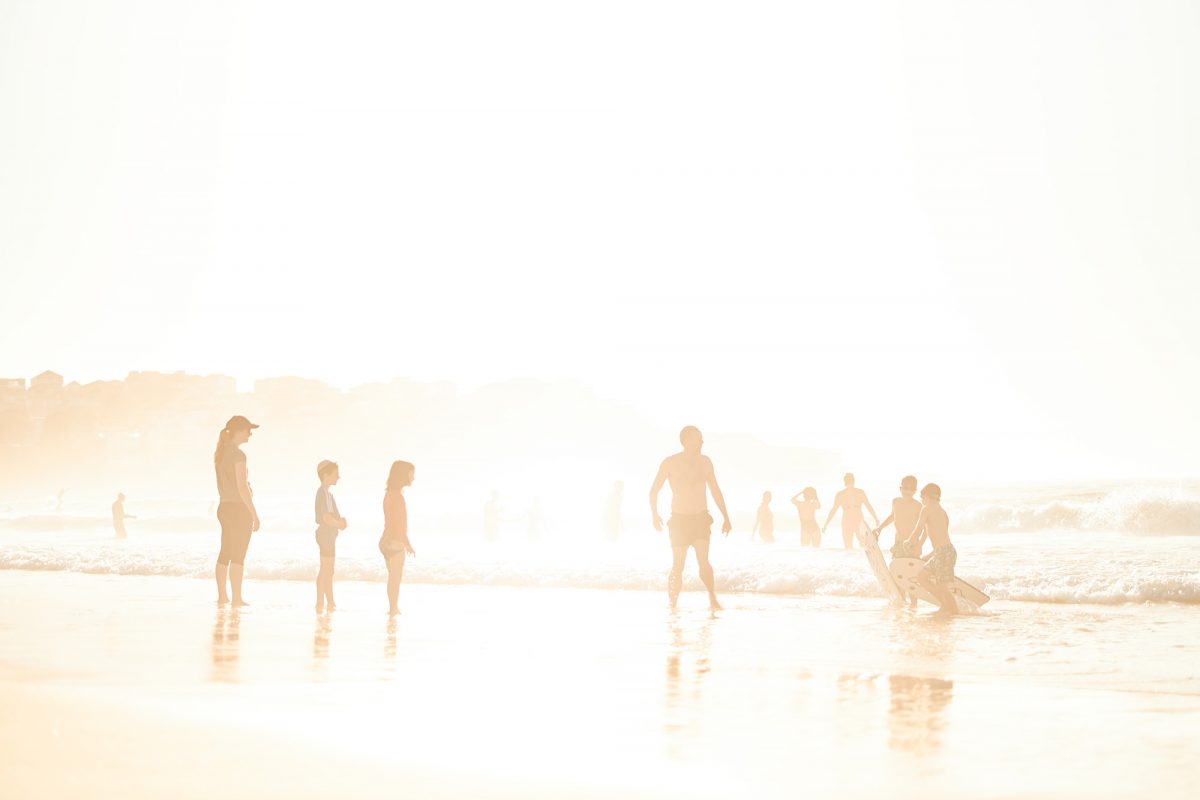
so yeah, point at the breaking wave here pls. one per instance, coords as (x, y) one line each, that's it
(1159, 512)
(1020, 574)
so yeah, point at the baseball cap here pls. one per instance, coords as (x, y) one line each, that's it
(239, 423)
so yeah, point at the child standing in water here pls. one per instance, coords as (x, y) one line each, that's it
(329, 522)
(810, 531)
(764, 521)
(938, 573)
(906, 510)
(394, 544)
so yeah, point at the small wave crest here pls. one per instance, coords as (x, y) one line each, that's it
(1073, 580)
(1159, 512)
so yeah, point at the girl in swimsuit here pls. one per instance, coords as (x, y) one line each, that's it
(394, 544)
(810, 529)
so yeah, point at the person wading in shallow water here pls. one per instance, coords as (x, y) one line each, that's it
(119, 516)
(851, 501)
(394, 544)
(236, 511)
(691, 476)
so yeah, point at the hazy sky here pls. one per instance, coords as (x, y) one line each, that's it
(959, 237)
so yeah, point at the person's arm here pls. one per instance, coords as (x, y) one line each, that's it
(837, 503)
(243, 490)
(655, 488)
(867, 503)
(888, 521)
(395, 520)
(325, 517)
(718, 498)
(408, 548)
(918, 529)
(797, 495)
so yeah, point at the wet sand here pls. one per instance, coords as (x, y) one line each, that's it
(141, 686)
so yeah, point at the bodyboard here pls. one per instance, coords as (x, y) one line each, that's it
(870, 545)
(905, 571)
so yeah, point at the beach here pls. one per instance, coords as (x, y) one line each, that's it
(142, 685)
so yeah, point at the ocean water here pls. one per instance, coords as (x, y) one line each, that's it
(1080, 545)
(556, 663)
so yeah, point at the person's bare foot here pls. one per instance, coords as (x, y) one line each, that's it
(320, 609)
(239, 603)
(394, 612)
(222, 601)
(713, 605)
(332, 607)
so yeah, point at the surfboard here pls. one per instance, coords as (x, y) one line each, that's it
(905, 571)
(870, 545)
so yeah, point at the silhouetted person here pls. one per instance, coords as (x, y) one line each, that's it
(764, 520)
(491, 517)
(938, 574)
(906, 510)
(851, 501)
(810, 529)
(329, 521)
(235, 511)
(614, 524)
(119, 516)
(691, 476)
(394, 543)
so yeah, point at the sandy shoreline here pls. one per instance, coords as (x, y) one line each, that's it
(142, 686)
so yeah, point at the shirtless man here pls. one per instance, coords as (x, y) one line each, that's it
(690, 475)
(851, 501)
(938, 573)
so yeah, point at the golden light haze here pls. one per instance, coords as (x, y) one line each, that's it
(949, 238)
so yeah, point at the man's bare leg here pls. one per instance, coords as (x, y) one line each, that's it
(235, 583)
(329, 586)
(848, 536)
(706, 571)
(675, 579)
(222, 579)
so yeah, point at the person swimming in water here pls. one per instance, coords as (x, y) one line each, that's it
(692, 477)
(851, 501)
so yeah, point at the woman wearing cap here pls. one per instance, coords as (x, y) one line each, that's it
(329, 522)
(236, 510)
(394, 543)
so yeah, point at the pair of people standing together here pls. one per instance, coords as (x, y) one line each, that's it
(239, 519)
